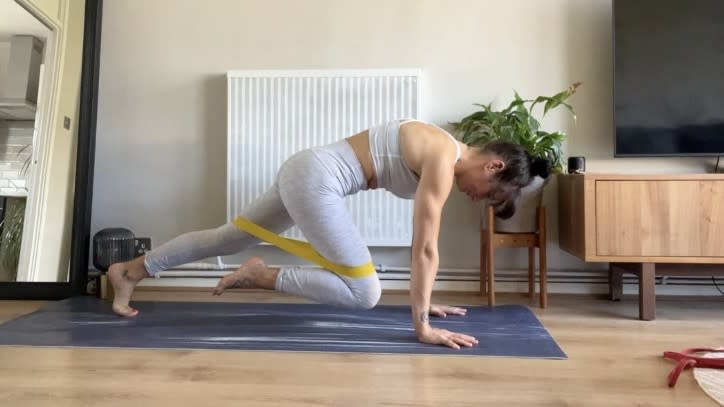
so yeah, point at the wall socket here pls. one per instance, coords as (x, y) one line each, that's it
(142, 245)
(66, 122)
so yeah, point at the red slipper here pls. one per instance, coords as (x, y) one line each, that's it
(688, 359)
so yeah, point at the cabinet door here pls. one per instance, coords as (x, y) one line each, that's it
(676, 218)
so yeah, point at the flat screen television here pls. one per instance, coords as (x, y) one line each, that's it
(668, 77)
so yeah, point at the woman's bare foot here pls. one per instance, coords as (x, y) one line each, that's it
(252, 274)
(124, 277)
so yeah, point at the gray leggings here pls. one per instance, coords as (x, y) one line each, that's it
(309, 193)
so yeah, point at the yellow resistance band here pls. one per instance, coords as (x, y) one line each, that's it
(302, 249)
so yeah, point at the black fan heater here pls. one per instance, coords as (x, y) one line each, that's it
(113, 245)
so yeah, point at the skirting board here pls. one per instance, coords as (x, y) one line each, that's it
(508, 281)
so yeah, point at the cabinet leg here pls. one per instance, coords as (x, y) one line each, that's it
(615, 283)
(647, 292)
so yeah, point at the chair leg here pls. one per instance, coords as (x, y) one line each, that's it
(543, 279)
(490, 271)
(483, 268)
(531, 272)
(490, 257)
(542, 253)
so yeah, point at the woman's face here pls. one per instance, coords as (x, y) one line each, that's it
(480, 184)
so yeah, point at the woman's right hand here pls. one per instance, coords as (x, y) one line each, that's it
(436, 336)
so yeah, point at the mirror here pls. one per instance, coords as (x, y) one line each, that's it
(41, 53)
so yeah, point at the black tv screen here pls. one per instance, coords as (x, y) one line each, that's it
(668, 77)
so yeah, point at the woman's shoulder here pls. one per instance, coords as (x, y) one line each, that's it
(427, 126)
(422, 142)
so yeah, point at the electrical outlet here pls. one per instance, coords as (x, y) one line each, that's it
(142, 245)
(66, 122)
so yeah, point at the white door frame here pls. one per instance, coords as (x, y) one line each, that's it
(43, 140)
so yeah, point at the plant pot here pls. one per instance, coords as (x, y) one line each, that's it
(524, 220)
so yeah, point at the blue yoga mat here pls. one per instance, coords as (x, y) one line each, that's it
(508, 330)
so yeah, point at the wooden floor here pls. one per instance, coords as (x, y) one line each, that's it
(614, 360)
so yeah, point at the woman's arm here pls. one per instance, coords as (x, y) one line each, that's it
(435, 183)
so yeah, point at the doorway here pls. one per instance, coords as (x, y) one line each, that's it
(23, 56)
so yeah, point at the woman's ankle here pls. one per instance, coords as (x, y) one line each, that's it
(136, 269)
(267, 279)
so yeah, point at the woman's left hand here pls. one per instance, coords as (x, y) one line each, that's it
(445, 310)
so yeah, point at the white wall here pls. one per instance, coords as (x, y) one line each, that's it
(160, 153)
(4, 59)
(16, 139)
(53, 8)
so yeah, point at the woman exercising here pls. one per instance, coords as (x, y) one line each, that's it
(409, 158)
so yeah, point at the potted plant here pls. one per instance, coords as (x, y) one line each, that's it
(11, 237)
(516, 123)
(11, 226)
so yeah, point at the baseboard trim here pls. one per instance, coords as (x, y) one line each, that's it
(471, 284)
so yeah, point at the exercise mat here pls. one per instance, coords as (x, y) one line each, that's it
(506, 331)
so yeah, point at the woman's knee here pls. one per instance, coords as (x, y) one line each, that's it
(225, 240)
(367, 296)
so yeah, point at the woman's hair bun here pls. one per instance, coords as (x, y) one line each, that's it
(540, 166)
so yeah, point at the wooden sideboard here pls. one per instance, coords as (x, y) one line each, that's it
(644, 224)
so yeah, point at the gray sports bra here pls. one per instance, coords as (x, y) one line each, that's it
(393, 174)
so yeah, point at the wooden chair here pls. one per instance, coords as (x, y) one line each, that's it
(491, 240)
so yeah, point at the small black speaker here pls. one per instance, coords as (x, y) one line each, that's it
(576, 165)
(111, 246)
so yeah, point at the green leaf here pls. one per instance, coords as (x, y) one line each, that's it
(11, 237)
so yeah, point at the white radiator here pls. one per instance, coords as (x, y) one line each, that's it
(273, 114)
